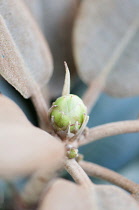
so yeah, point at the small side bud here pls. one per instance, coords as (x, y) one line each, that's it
(72, 153)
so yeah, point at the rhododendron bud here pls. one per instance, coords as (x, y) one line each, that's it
(68, 114)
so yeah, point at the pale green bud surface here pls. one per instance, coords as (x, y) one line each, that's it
(72, 153)
(68, 110)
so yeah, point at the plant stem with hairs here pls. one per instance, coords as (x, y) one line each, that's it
(110, 129)
(77, 173)
(106, 174)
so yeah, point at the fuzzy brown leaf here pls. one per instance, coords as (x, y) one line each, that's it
(66, 195)
(29, 42)
(23, 147)
(12, 66)
(106, 40)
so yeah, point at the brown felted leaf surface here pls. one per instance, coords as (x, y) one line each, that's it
(102, 27)
(29, 41)
(58, 19)
(23, 147)
(12, 66)
(67, 195)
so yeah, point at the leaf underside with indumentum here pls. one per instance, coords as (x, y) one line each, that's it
(30, 44)
(102, 27)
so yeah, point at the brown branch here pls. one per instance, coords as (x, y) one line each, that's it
(41, 107)
(77, 173)
(110, 129)
(106, 174)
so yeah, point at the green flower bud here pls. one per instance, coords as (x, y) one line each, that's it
(68, 114)
(72, 153)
